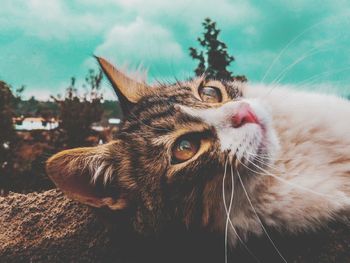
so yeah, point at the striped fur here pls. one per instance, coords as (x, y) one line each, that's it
(135, 171)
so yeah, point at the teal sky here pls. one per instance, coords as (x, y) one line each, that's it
(44, 43)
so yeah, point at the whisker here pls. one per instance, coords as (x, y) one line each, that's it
(307, 54)
(228, 213)
(325, 73)
(234, 229)
(280, 76)
(268, 157)
(284, 180)
(286, 47)
(256, 214)
(312, 85)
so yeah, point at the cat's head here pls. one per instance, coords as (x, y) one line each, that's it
(172, 151)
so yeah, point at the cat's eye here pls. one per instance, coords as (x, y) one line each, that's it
(210, 94)
(185, 148)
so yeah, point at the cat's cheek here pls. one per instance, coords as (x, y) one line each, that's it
(270, 144)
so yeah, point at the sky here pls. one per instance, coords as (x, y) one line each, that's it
(302, 44)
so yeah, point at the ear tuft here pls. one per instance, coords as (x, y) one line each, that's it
(84, 175)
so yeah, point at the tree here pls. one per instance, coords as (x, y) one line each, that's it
(77, 113)
(214, 60)
(7, 132)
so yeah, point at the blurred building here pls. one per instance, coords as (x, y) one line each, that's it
(35, 123)
(113, 121)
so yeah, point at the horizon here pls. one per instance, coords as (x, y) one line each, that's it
(43, 51)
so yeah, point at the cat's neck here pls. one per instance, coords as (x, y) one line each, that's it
(309, 175)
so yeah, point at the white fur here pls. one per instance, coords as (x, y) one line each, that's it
(245, 140)
(314, 135)
(305, 179)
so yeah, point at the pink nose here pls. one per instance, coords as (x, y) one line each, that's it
(243, 115)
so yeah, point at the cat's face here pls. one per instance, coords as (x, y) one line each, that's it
(171, 153)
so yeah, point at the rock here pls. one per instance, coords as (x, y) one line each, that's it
(48, 227)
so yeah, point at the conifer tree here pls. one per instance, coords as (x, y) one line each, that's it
(214, 59)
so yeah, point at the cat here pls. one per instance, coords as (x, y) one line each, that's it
(221, 156)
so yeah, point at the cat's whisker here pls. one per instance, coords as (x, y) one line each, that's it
(307, 54)
(267, 164)
(282, 74)
(268, 157)
(267, 173)
(233, 228)
(228, 212)
(286, 47)
(266, 160)
(292, 174)
(318, 76)
(257, 216)
(333, 83)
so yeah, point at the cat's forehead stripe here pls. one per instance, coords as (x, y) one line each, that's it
(156, 113)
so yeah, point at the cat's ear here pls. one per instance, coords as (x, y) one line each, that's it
(88, 175)
(129, 91)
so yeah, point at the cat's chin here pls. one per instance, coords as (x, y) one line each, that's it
(257, 147)
(260, 143)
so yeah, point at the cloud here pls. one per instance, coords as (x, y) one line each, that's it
(50, 19)
(232, 12)
(43, 92)
(140, 42)
(184, 12)
(48, 41)
(61, 20)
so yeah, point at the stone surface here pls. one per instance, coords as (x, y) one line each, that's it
(47, 227)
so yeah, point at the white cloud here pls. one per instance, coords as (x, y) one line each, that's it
(62, 19)
(302, 5)
(189, 14)
(231, 11)
(49, 19)
(44, 92)
(139, 41)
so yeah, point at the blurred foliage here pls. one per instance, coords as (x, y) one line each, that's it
(33, 108)
(78, 112)
(49, 109)
(23, 153)
(213, 59)
(7, 134)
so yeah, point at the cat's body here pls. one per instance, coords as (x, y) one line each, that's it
(313, 159)
(182, 147)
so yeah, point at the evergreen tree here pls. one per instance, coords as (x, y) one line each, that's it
(214, 60)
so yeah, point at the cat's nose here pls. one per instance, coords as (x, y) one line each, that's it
(244, 114)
